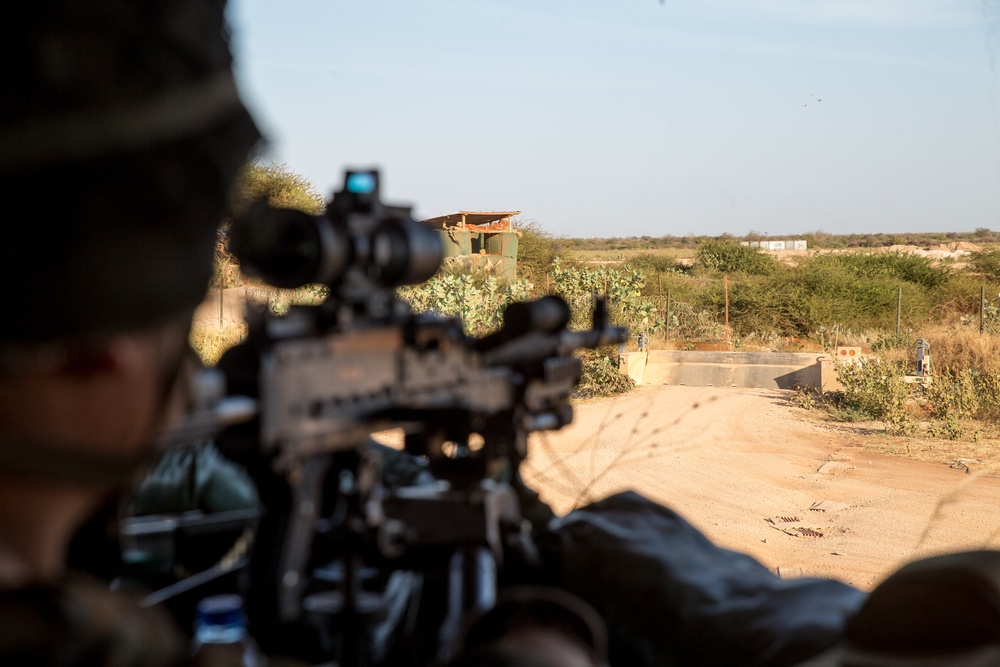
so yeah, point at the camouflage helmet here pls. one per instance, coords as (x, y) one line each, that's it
(121, 133)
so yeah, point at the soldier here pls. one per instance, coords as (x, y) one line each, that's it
(122, 133)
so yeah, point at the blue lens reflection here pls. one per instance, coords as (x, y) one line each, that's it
(361, 182)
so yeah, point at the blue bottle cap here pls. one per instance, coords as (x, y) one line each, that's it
(226, 610)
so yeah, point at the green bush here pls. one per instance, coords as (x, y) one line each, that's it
(966, 394)
(897, 266)
(731, 257)
(875, 387)
(601, 377)
(859, 291)
(856, 291)
(953, 395)
(478, 301)
(537, 249)
(958, 296)
(988, 392)
(624, 287)
(759, 304)
(279, 186)
(904, 340)
(986, 262)
(652, 263)
(692, 323)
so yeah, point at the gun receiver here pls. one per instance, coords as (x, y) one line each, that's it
(335, 541)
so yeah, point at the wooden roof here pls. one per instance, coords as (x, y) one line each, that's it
(482, 220)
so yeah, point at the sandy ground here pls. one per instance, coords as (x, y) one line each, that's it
(730, 459)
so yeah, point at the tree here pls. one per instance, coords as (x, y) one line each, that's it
(726, 256)
(279, 186)
(536, 249)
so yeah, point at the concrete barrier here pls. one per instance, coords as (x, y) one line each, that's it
(774, 370)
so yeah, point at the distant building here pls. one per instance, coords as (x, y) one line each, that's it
(486, 238)
(775, 245)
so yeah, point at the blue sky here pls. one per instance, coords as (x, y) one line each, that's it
(641, 117)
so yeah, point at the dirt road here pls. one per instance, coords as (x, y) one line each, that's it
(730, 459)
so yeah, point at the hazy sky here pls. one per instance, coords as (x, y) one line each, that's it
(641, 117)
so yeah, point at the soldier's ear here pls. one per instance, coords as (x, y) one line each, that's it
(119, 353)
(131, 352)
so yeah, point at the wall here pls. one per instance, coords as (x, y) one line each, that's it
(730, 369)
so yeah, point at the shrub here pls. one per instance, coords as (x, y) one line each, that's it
(210, 342)
(279, 186)
(759, 304)
(652, 263)
(988, 392)
(959, 297)
(690, 323)
(225, 268)
(858, 291)
(478, 301)
(986, 262)
(953, 395)
(601, 377)
(731, 257)
(904, 340)
(875, 387)
(626, 304)
(900, 266)
(537, 250)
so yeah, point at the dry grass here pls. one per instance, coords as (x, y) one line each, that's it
(841, 336)
(278, 300)
(614, 256)
(960, 347)
(210, 338)
(953, 345)
(772, 342)
(210, 341)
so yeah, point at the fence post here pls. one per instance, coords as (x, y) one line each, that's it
(982, 308)
(666, 334)
(899, 307)
(726, 281)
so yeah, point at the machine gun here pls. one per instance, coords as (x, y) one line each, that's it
(348, 562)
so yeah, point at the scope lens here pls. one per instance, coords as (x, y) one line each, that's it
(289, 248)
(404, 252)
(361, 182)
